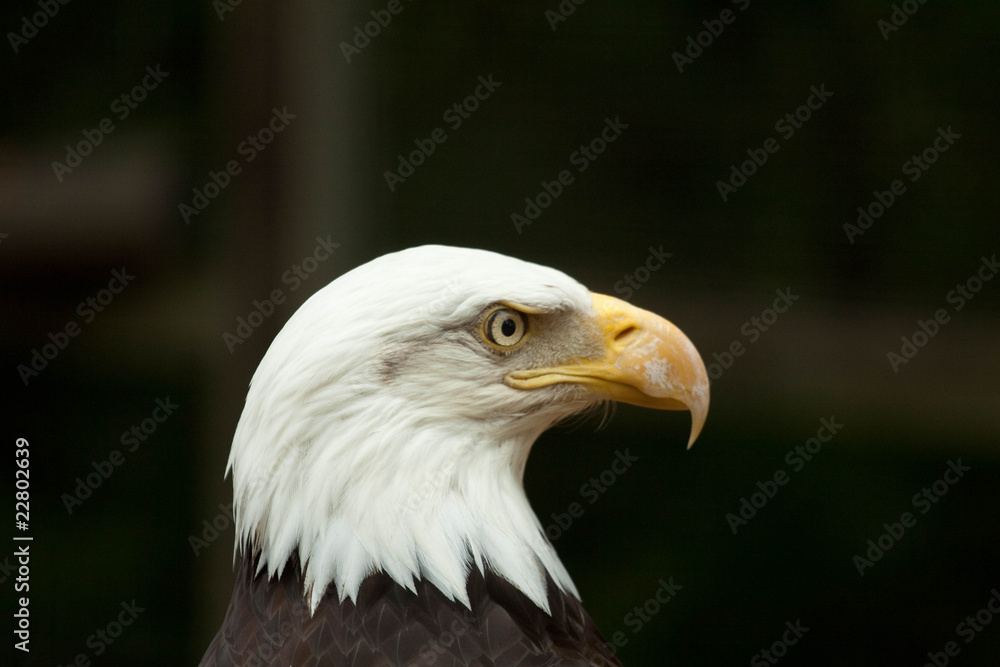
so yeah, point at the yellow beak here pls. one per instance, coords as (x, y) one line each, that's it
(647, 361)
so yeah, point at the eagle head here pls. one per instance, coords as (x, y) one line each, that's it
(388, 425)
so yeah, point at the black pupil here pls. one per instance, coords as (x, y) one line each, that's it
(508, 327)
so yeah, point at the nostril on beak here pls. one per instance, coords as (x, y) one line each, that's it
(624, 333)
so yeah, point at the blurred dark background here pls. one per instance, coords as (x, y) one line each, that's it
(218, 72)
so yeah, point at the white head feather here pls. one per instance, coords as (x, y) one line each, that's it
(378, 433)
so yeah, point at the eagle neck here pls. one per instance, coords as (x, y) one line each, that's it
(425, 503)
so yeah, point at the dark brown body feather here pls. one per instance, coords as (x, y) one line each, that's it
(268, 623)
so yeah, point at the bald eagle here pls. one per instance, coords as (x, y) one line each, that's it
(377, 466)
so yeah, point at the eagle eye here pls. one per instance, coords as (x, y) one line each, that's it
(504, 328)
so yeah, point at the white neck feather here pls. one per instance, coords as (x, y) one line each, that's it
(427, 502)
